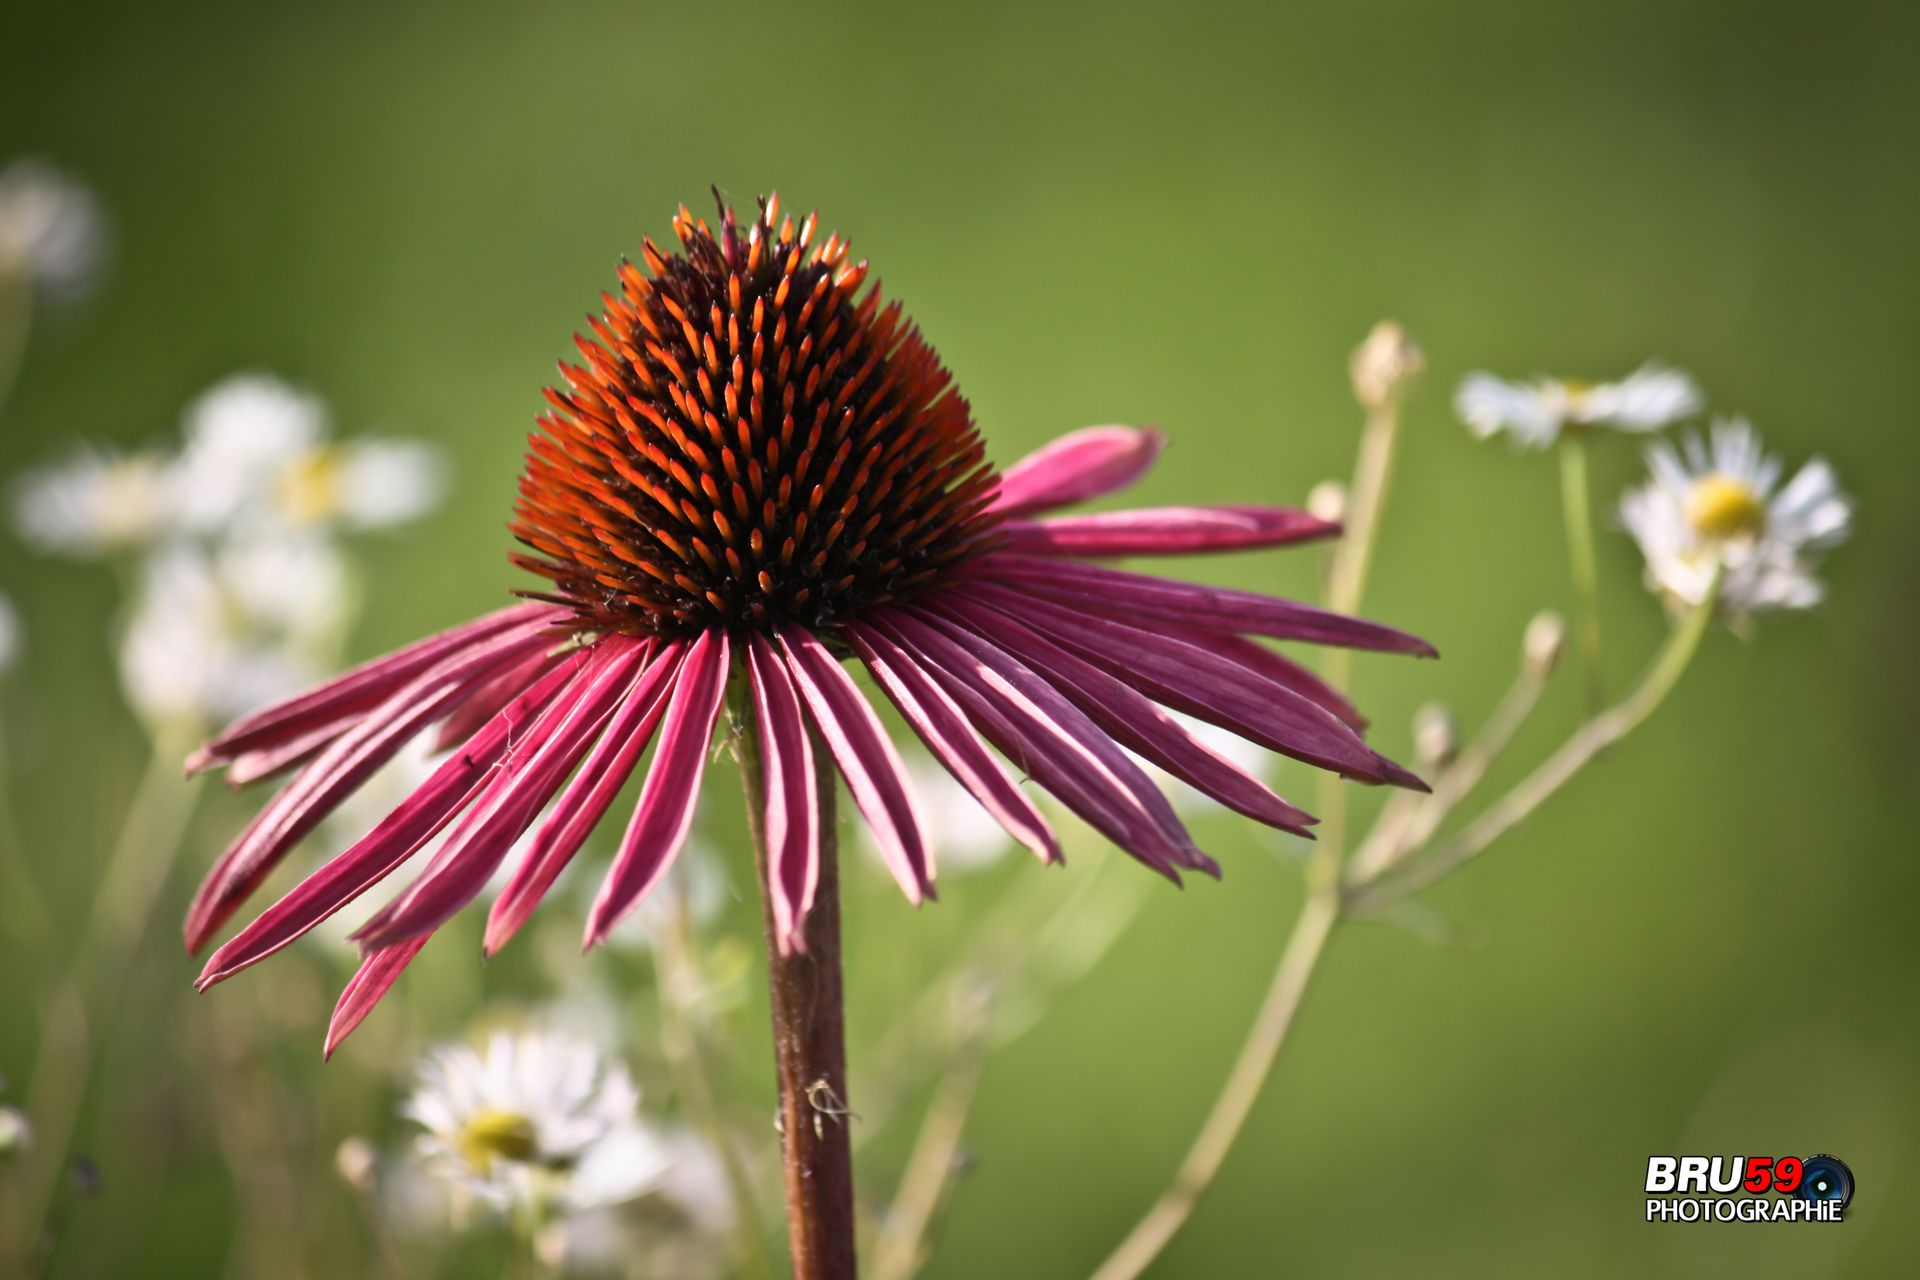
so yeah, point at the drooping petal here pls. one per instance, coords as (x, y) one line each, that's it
(251, 766)
(532, 771)
(397, 837)
(1132, 720)
(1276, 667)
(665, 811)
(943, 726)
(1079, 465)
(587, 798)
(1205, 684)
(339, 700)
(485, 701)
(375, 977)
(1120, 593)
(791, 806)
(339, 769)
(1050, 738)
(875, 774)
(1163, 531)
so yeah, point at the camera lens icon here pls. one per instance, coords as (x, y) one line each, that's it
(1826, 1178)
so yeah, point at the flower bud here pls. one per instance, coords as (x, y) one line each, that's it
(16, 1134)
(1545, 641)
(1383, 365)
(1328, 501)
(1436, 737)
(357, 1163)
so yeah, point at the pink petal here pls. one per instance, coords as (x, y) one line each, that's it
(1202, 683)
(533, 770)
(487, 698)
(250, 766)
(1133, 721)
(944, 728)
(1162, 531)
(665, 812)
(587, 798)
(396, 838)
(1079, 465)
(1044, 734)
(872, 767)
(791, 813)
(339, 769)
(1276, 667)
(360, 690)
(375, 977)
(1137, 595)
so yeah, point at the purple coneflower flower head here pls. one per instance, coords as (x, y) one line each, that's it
(761, 475)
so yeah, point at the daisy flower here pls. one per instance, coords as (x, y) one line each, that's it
(535, 1120)
(98, 504)
(52, 232)
(1719, 502)
(756, 474)
(1534, 413)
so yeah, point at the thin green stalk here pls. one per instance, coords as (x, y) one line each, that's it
(1577, 506)
(136, 870)
(1593, 737)
(23, 908)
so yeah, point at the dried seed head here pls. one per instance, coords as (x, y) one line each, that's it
(1436, 736)
(1383, 365)
(752, 438)
(1544, 643)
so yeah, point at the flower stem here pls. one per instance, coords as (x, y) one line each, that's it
(809, 1037)
(1577, 506)
(1298, 961)
(1592, 737)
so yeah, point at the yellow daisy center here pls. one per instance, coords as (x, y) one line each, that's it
(1719, 506)
(497, 1135)
(310, 486)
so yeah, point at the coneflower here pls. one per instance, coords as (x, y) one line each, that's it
(757, 472)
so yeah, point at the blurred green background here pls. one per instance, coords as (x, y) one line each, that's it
(1178, 214)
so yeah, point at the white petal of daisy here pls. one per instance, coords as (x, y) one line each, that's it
(1713, 506)
(1530, 412)
(10, 641)
(387, 482)
(51, 229)
(98, 503)
(1649, 398)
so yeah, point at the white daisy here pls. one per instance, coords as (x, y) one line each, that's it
(51, 229)
(537, 1121)
(1716, 503)
(98, 503)
(10, 641)
(1534, 413)
(257, 455)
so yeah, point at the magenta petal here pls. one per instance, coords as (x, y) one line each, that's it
(533, 770)
(943, 727)
(251, 766)
(1276, 667)
(665, 812)
(486, 699)
(587, 798)
(1079, 465)
(338, 770)
(1133, 721)
(375, 977)
(396, 838)
(1204, 684)
(360, 690)
(1120, 593)
(1044, 734)
(875, 775)
(1162, 531)
(791, 806)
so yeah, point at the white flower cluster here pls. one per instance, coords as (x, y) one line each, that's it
(240, 587)
(1710, 508)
